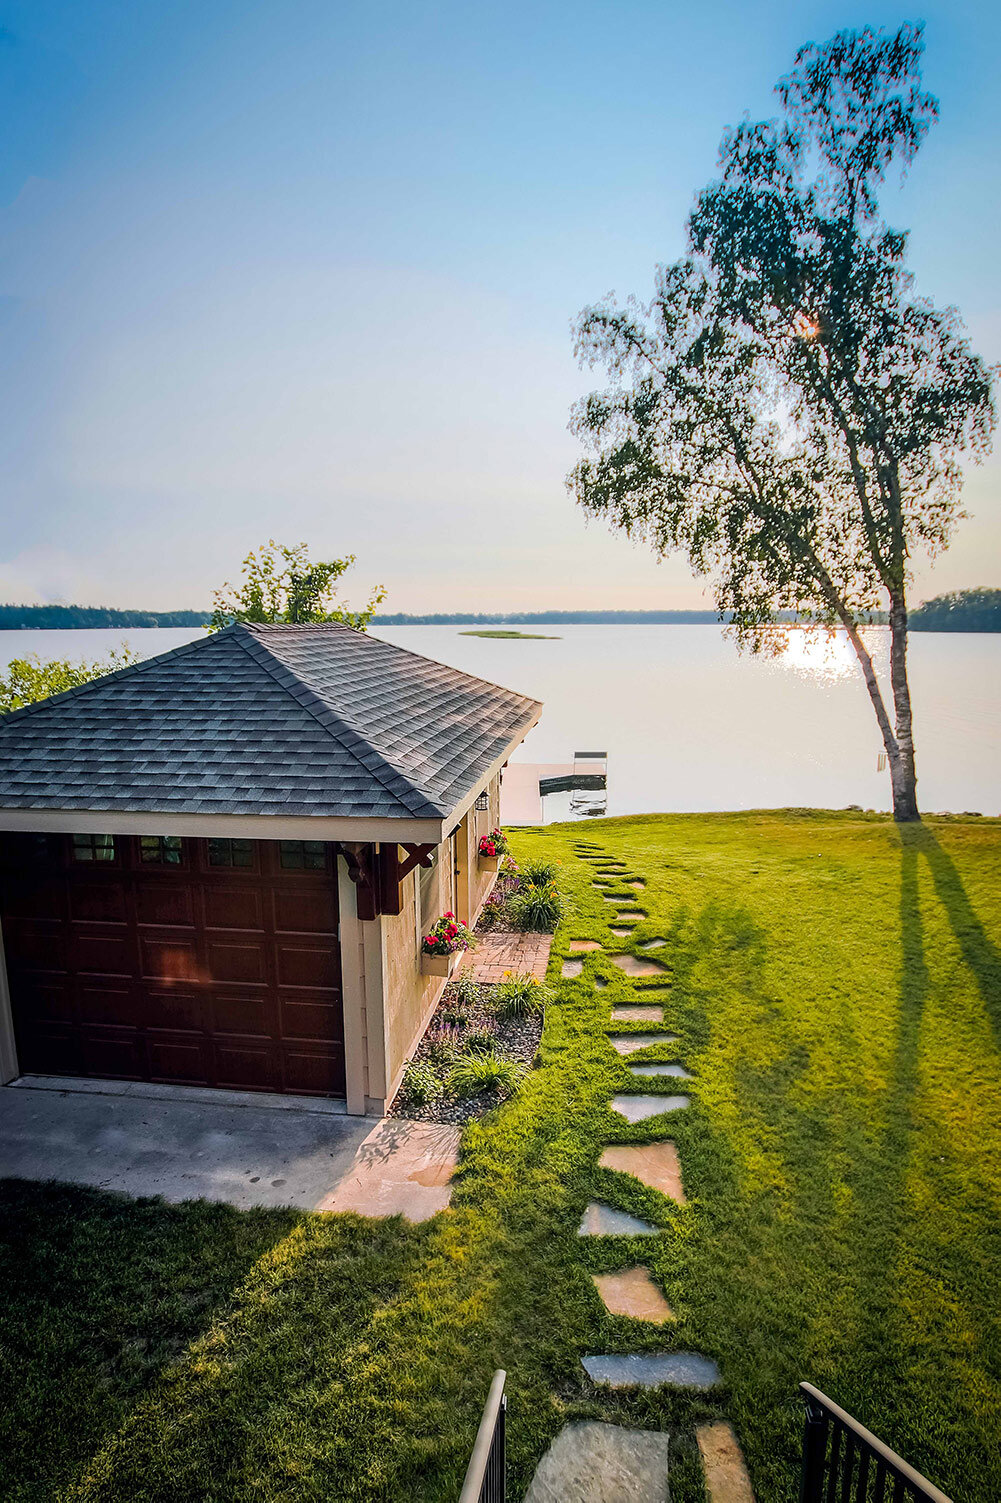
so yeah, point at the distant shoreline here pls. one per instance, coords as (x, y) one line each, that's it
(92, 618)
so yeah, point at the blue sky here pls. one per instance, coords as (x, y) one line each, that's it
(307, 270)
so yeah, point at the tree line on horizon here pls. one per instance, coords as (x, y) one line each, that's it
(976, 610)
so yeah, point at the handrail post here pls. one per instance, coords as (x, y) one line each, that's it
(488, 1463)
(814, 1452)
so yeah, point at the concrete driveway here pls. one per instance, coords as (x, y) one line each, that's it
(190, 1147)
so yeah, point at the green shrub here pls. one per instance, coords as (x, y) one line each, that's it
(421, 1083)
(463, 991)
(537, 873)
(475, 1073)
(442, 1043)
(453, 1017)
(479, 1040)
(537, 907)
(519, 997)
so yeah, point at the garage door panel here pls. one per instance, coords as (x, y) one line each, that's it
(306, 1016)
(33, 899)
(102, 954)
(161, 903)
(117, 1054)
(178, 1058)
(32, 945)
(98, 902)
(245, 1064)
(244, 1013)
(171, 1009)
(105, 1003)
(233, 907)
(49, 1049)
(46, 1000)
(169, 958)
(244, 961)
(305, 910)
(307, 965)
(313, 1073)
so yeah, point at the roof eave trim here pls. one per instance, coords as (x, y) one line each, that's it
(202, 826)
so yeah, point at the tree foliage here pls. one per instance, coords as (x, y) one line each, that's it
(284, 585)
(27, 680)
(787, 410)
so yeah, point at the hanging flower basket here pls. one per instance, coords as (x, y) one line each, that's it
(442, 945)
(492, 849)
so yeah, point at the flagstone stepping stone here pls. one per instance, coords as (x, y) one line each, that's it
(591, 1462)
(585, 944)
(639, 1108)
(621, 930)
(636, 882)
(723, 1464)
(651, 1369)
(572, 968)
(633, 914)
(600, 1220)
(633, 966)
(630, 1043)
(633, 1292)
(616, 901)
(651, 944)
(677, 1072)
(599, 885)
(638, 1014)
(656, 1164)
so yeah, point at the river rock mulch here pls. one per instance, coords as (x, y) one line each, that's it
(516, 1039)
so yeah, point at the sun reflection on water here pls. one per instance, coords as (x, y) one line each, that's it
(828, 656)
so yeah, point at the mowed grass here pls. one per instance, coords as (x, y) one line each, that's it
(835, 986)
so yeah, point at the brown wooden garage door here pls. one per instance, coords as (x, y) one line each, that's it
(193, 962)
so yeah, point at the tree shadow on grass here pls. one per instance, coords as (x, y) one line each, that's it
(100, 1294)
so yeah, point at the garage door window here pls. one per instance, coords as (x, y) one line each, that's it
(231, 853)
(303, 855)
(160, 850)
(93, 847)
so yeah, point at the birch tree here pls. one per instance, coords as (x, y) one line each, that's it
(786, 409)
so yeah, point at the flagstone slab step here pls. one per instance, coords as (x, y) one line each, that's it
(634, 915)
(633, 966)
(585, 944)
(590, 1462)
(621, 930)
(640, 1013)
(652, 1369)
(723, 1464)
(631, 1043)
(636, 882)
(601, 1220)
(632, 1292)
(639, 1108)
(656, 1164)
(676, 1072)
(572, 968)
(651, 944)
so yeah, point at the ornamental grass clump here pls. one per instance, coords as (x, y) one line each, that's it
(443, 1042)
(475, 1074)
(537, 872)
(519, 997)
(538, 906)
(479, 1040)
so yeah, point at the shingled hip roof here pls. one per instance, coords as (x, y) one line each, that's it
(266, 720)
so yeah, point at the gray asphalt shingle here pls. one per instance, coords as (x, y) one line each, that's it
(265, 720)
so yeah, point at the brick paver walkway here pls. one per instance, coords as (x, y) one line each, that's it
(496, 954)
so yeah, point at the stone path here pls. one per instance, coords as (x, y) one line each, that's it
(632, 1043)
(591, 1462)
(651, 1369)
(585, 944)
(633, 1292)
(600, 1220)
(639, 1108)
(497, 954)
(597, 1463)
(656, 1164)
(571, 968)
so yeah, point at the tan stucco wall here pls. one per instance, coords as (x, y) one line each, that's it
(410, 997)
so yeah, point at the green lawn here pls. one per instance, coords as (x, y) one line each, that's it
(836, 987)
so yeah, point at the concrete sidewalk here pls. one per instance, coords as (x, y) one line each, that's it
(246, 1154)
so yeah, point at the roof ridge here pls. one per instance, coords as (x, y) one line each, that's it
(106, 678)
(339, 729)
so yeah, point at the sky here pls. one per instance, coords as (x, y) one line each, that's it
(307, 270)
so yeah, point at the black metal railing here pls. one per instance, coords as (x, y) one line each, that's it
(845, 1463)
(486, 1475)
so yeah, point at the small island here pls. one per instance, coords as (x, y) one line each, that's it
(521, 636)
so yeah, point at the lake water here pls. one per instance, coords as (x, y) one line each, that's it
(690, 724)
